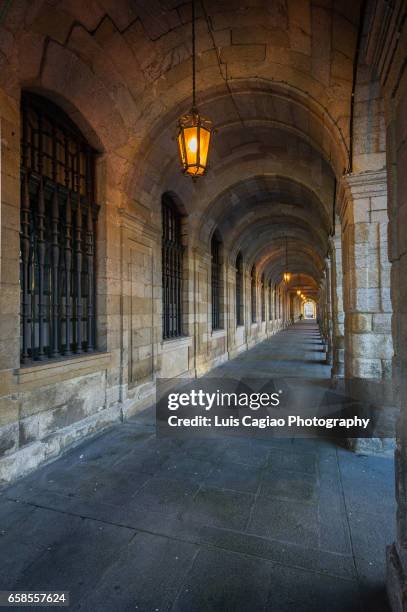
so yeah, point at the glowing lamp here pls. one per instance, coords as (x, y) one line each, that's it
(287, 277)
(194, 131)
(194, 137)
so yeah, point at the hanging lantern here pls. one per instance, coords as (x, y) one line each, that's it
(194, 131)
(194, 137)
(286, 275)
(298, 292)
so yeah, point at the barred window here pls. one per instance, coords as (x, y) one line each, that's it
(172, 264)
(263, 298)
(239, 290)
(216, 280)
(253, 293)
(58, 234)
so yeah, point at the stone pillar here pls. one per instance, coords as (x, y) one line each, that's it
(9, 274)
(328, 316)
(230, 306)
(338, 316)
(323, 312)
(367, 305)
(397, 176)
(202, 306)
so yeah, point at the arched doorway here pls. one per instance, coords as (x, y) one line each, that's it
(309, 310)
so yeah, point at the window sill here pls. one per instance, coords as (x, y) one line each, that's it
(218, 333)
(53, 370)
(175, 343)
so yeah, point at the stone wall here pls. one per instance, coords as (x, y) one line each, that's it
(387, 55)
(49, 406)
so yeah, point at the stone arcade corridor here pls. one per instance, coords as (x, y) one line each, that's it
(183, 183)
(130, 522)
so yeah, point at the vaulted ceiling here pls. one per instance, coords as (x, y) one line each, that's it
(275, 77)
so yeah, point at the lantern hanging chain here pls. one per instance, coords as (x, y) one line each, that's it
(219, 61)
(193, 58)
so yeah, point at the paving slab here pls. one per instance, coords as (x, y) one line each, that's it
(220, 508)
(146, 576)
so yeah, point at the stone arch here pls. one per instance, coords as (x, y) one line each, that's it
(177, 202)
(159, 164)
(70, 81)
(304, 309)
(258, 190)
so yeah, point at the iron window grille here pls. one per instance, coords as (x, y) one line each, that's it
(58, 234)
(172, 267)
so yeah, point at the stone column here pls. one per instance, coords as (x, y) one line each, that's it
(247, 304)
(322, 311)
(230, 306)
(202, 306)
(328, 316)
(367, 305)
(397, 176)
(338, 316)
(9, 273)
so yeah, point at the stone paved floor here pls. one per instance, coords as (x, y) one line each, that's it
(129, 522)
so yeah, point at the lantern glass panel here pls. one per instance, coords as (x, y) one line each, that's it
(193, 144)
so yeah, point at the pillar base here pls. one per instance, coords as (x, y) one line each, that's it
(396, 581)
(337, 382)
(374, 399)
(337, 370)
(372, 446)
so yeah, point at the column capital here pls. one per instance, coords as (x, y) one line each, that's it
(360, 186)
(201, 253)
(364, 182)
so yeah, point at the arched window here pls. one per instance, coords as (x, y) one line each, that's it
(172, 265)
(216, 280)
(239, 290)
(263, 298)
(253, 293)
(58, 234)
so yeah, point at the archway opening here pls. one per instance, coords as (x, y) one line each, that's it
(309, 310)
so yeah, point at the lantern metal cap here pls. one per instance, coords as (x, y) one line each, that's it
(194, 118)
